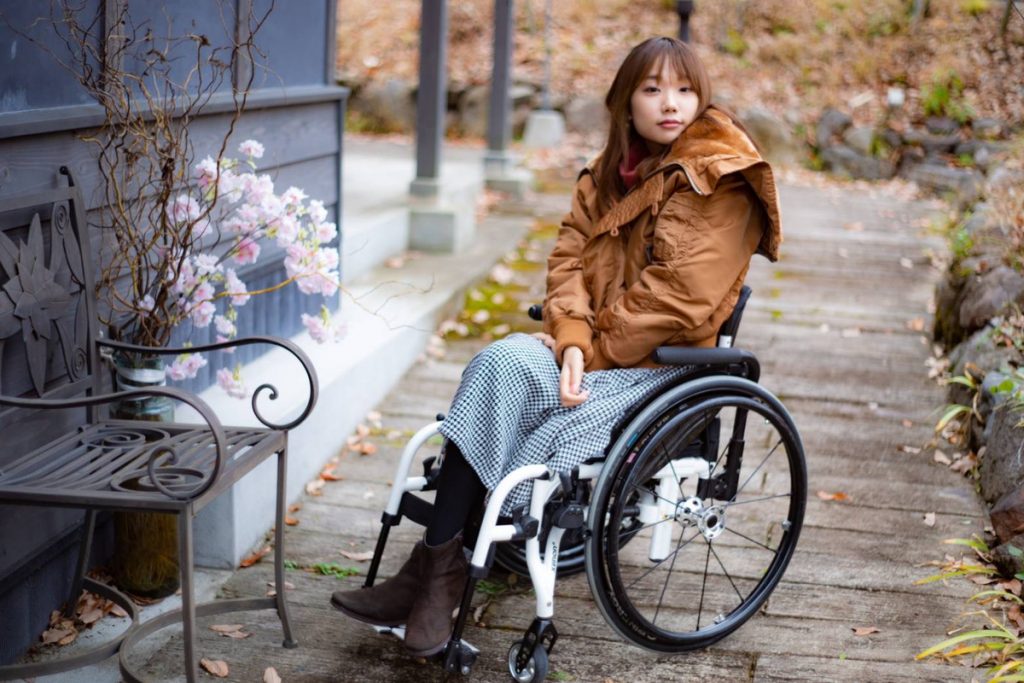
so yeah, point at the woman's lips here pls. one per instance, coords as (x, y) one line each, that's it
(669, 124)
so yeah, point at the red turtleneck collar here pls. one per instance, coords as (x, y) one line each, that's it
(627, 168)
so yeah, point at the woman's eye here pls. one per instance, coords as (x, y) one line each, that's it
(650, 88)
(685, 88)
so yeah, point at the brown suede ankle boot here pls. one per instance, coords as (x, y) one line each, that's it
(442, 582)
(387, 603)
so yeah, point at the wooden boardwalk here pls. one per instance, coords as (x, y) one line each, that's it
(829, 324)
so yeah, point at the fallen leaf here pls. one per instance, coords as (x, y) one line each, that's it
(964, 464)
(226, 628)
(917, 324)
(362, 430)
(118, 611)
(92, 615)
(270, 675)
(294, 507)
(1012, 586)
(367, 449)
(982, 580)
(941, 458)
(1014, 615)
(855, 226)
(54, 635)
(358, 557)
(865, 630)
(850, 332)
(216, 667)
(929, 519)
(837, 496)
(906, 263)
(314, 487)
(330, 476)
(352, 441)
(291, 521)
(913, 450)
(907, 423)
(255, 557)
(68, 639)
(236, 635)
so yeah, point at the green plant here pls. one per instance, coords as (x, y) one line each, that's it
(975, 7)
(734, 43)
(944, 97)
(291, 564)
(334, 569)
(960, 244)
(1013, 388)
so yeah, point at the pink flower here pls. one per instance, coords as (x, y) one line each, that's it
(320, 327)
(247, 251)
(251, 148)
(185, 366)
(258, 188)
(205, 172)
(325, 232)
(225, 326)
(317, 212)
(206, 264)
(293, 197)
(236, 288)
(146, 303)
(287, 230)
(231, 382)
(221, 338)
(201, 228)
(202, 314)
(186, 279)
(183, 209)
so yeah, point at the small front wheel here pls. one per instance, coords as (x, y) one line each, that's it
(536, 668)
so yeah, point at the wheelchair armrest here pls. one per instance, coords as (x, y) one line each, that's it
(709, 357)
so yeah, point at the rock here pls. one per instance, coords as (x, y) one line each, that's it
(987, 295)
(941, 125)
(892, 138)
(1003, 178)
(842, 159)
(389, 105)
(859, 139)
(473, 107)
(586, 114)
(772, 135)
(1008, 515)
(991, 399)
(987, 129)
(978, 357)
(1002, 465)
(832, 122)
(965, 183)
(1009, 556)
(930, 143)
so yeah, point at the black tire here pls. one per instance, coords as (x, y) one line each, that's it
(537, 669)
(704, 584)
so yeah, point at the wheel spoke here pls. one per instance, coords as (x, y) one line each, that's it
(758, 468)
(703, 586)
(754, 500)
(768, 548)
(668, 575)
(727, 575)
(662, 561)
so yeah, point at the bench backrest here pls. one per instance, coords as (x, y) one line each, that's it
(47, 301)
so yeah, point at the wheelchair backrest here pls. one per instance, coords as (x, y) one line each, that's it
(727, 333)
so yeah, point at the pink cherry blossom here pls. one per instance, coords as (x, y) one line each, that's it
(320, 328)
(293, 198)
(251, 148)
(202, 314)
(235, 287)
(231, 382)
(183, 209)
(206, 264)
(287, 230)
(225, 326)
(185, 366)
(325, 232)
(146, 303)
(205, 172)
(317, 212)
(247, 251)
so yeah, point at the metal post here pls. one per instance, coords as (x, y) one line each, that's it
(684, 8)
(499, 115)
(431, 100)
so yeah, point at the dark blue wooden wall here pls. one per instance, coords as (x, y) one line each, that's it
(296, 110)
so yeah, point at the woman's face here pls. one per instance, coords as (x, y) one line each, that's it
(663, 105)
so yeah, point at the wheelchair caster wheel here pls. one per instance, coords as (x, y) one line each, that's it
(535, 668)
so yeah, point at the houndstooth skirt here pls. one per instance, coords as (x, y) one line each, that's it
(507, 412)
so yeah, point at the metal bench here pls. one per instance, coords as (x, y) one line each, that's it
(68, 453)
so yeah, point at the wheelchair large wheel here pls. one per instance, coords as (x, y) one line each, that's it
(677, 561)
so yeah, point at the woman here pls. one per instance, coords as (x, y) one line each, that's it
(653, 252)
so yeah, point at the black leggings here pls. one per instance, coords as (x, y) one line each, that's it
(460, 494)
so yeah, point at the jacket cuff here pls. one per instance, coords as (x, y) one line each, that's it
(599, 361)
(573, 332)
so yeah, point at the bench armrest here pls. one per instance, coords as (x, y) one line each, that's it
(291, 347)
(155, 472)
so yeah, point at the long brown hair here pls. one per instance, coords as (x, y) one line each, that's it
(634, 69)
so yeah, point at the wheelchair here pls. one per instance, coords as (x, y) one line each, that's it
(684, 526)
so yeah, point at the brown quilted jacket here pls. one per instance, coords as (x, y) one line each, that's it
(664, 265)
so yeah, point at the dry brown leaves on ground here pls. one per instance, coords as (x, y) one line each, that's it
(254, 557)
(838, 496)
(214, 667)
(89, 609)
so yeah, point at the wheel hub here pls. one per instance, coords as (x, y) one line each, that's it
(710, 521)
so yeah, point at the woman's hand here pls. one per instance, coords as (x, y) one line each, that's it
(548, 340)
(572, 377)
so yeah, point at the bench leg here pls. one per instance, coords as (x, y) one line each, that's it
(83, 562)
(282, 503)
(188, 603)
